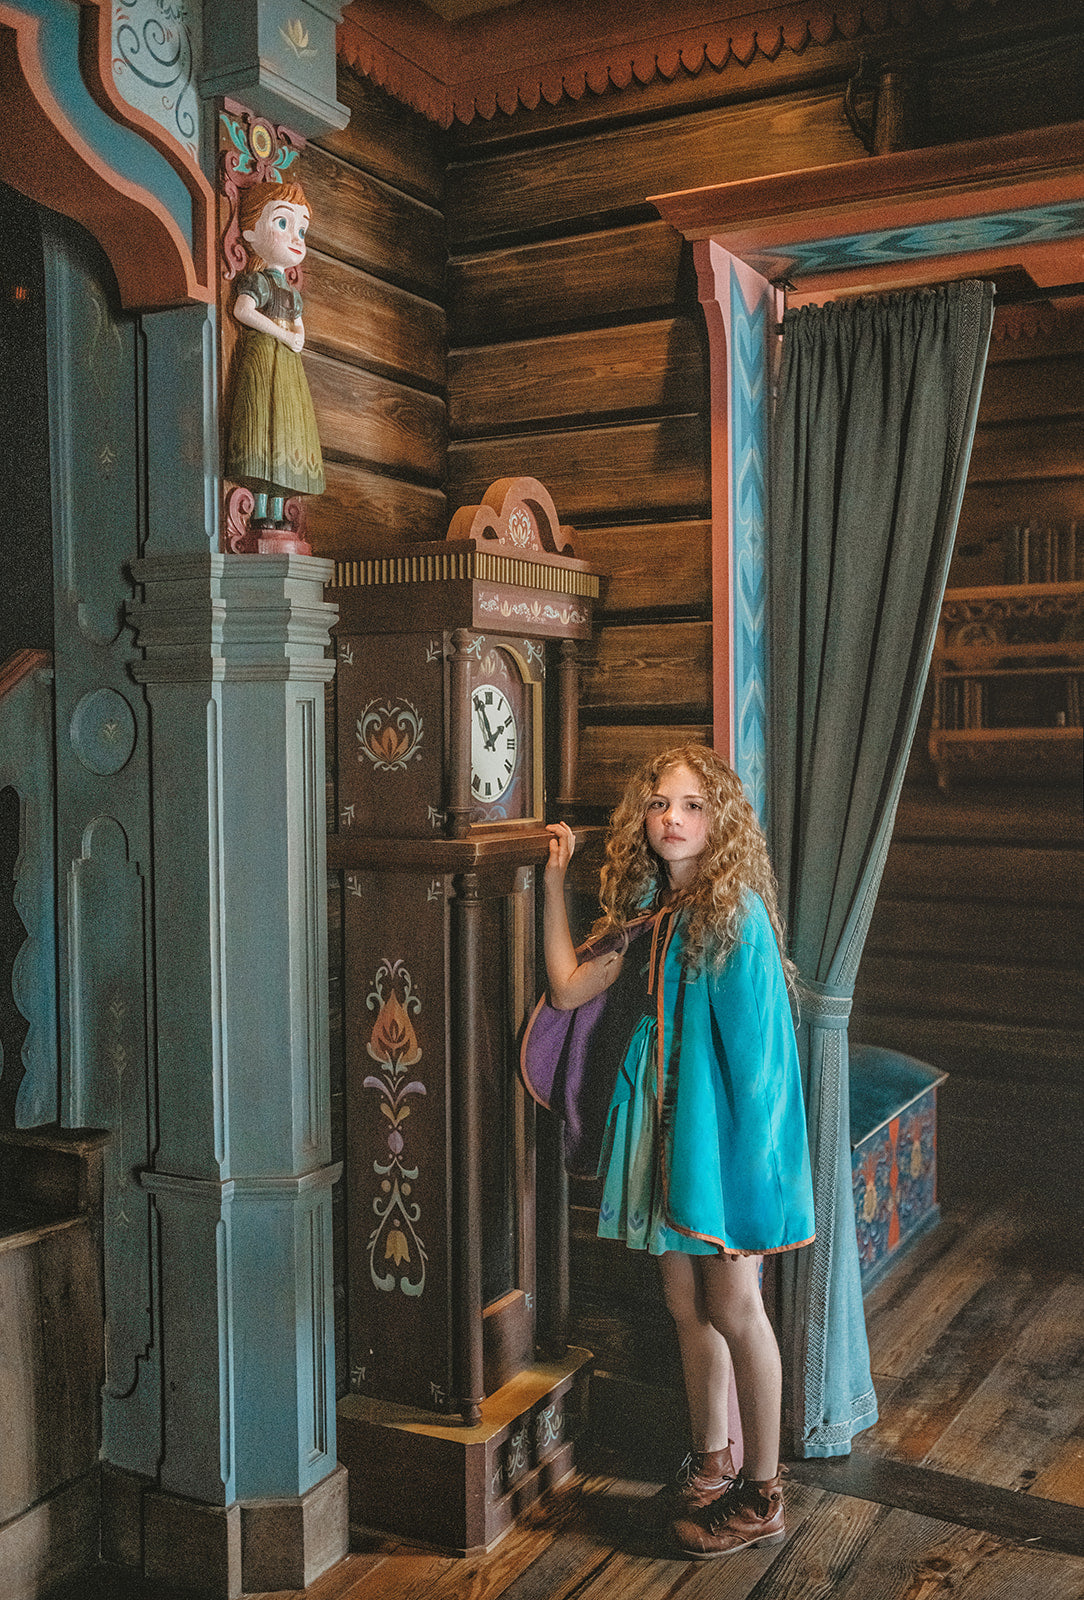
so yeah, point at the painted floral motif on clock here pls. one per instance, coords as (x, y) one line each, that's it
(521, 528)
(390, 735)
(397, 1255)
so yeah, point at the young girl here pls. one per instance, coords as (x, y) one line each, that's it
(273, 448)
(690, 1105)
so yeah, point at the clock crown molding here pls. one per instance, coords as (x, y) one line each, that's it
(514, 511)
(509, 552)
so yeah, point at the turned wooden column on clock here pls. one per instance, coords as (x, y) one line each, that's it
(462, 1384)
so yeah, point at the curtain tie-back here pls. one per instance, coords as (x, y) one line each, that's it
(825, 1006)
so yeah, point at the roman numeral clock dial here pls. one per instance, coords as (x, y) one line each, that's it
(494, 744)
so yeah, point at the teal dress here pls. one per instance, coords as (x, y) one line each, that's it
(705, 1142)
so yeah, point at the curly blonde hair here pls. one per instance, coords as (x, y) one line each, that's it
(734, 860)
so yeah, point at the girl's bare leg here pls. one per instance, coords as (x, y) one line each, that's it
(705, 1359)
(733, 1302)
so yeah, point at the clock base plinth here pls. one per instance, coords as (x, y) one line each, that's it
(461, 1488)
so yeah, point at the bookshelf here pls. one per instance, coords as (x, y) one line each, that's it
(1008, 675)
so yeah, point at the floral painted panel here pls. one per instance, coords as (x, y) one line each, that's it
(156, 59)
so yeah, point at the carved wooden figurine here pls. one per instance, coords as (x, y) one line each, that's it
(273, 448)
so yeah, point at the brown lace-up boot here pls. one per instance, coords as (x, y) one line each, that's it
(704, 1476)
(748, 1514)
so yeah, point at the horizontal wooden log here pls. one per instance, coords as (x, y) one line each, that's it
(619, 168)
(834, 61)
(360, 510)
(984, 871)
(993, 91)
(1049, 387)
(651, 566)
(609, 756)
(350, 313)
(666, 663)
(987, 1050)
(358, 219)
(373, 420)
(638, 471)
(624, 270)
(647, 367)
(951, 927)
(989, 991)
(1028, 450)
(1005, 816)
(387, 139)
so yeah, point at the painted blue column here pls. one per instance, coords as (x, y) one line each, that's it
(234, 668)
(741, 311)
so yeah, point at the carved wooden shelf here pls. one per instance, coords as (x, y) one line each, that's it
(1008, 669)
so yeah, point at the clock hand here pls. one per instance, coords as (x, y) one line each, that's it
(487, 735)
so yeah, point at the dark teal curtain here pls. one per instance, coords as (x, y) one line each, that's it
(876, 414)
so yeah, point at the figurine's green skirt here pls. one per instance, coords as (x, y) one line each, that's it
(273, 446)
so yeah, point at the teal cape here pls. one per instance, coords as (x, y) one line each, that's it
(735, 1157)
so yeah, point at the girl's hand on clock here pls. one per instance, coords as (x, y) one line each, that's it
(562, 846)
(571, 981)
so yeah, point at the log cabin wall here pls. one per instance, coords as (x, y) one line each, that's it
(975, 954)
(502, 299)
(375, 351)
(577, 346)
(375, 340)
(577, 353)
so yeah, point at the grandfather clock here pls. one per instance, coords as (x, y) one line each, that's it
(447, 654)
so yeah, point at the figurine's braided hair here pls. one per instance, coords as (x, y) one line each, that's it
(734, 860)
(250, 206)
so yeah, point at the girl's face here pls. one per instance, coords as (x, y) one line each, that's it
(279, 234)
(677, 822)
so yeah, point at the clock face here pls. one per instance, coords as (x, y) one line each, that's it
(495, 743)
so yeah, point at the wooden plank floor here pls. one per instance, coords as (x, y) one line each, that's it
(971, 1485)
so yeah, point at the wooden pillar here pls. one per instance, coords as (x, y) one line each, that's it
(459, 799)
(466, 1187)
(568, 704)
(241, 1176)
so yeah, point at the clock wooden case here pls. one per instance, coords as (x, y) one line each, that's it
(446, 652)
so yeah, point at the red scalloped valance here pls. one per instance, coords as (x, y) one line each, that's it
(545, 50)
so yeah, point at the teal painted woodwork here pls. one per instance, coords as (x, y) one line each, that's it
(234, 668)
(97, 401)
(751, 321)
(26, 764)
(156, 55)
(120, 148)
(1035, 225)
(187, 901)
(183, 485)
(277, 57)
